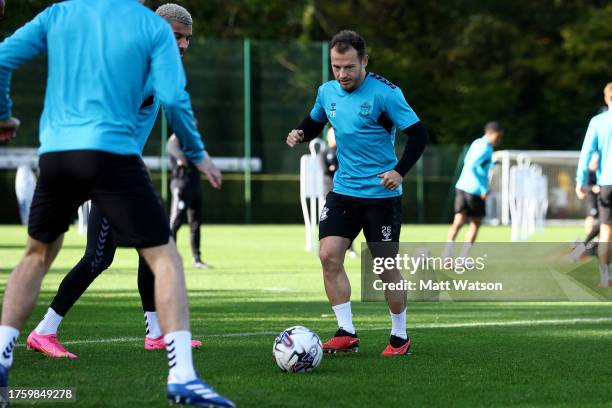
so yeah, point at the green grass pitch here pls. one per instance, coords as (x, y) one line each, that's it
(463, 354)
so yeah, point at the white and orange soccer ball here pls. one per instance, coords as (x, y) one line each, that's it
(297, 350)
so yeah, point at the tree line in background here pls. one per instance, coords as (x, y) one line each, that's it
(539, 67)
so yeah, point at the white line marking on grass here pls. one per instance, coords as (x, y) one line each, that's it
(501, 323)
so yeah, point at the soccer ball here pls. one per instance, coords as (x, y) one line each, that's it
(297, 350)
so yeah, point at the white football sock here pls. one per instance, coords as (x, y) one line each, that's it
(49, 324)
(465, 249)
(152, 325)
(8, 339)
(344, 316)
(398, 324)
(604, 275)
(180, 360)
(448, 249)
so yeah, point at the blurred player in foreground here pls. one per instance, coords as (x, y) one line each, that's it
(89, 150)
(101, 245)
(365, 109)
(598, 139)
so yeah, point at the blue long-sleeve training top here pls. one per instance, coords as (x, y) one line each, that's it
(598, 138)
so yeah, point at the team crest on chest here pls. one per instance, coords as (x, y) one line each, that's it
(365, 109)
(332, 111)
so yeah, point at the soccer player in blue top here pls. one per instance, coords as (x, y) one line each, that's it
(598, 139)
(100, 56)
(472, 188)
(101, 246)
(365, 109)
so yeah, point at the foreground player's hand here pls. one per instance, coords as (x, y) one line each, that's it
(391, 179)
(295, 137)
(581, 191)
(212, 173)
(8, 128)
(484, 195)
(595, 189)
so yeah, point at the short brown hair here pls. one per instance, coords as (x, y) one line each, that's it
(608, 92)
(347, 39)
(493, 127)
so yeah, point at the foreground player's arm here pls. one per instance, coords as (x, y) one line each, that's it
(26, 43)
(588, 148)
(169, 84)
(305, 132)
(482, 164)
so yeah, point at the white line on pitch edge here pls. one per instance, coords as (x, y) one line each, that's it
(411, 327)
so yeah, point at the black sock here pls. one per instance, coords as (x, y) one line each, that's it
(397, 341)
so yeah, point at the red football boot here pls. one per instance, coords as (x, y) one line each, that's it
(397, 347)
(342, 341)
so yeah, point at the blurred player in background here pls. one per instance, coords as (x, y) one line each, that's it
(591, 222)
(89, 149)
(187, 198)
(364, 109)
(598, 139)
(101, 245)
(330, 166)
(472, 188)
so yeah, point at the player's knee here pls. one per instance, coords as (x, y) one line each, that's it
(96, 264)
(330, 260)
(39, 254)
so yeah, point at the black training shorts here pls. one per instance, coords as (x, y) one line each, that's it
(605, 205)
(592, 209)
(118, 184)
(345, 216)
(471, 204)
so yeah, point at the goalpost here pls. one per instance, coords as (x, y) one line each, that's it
(531, 187)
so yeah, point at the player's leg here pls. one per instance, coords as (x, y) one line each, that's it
(589, 222)
(581, 247)
(194, 218)
(154, 338)
(20, 297)
(476, 210)
(335, 279)
(460, 207)
(338, 226)
(470, 236)
(604, 253)
(178, 206)
(24, 282)
(382, 227)
(56, 197)
(605, 236)
(591, 201)
(99, 254)
(126, 195)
